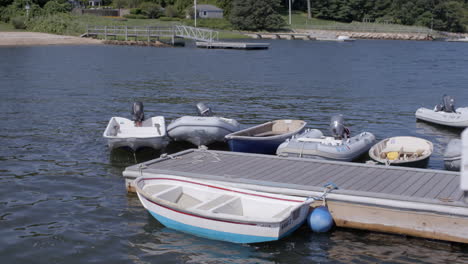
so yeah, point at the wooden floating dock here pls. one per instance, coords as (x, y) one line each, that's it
(232, 45)
(417, 202)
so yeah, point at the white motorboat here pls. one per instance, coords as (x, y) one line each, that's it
(122, 132)
(136, 133)
(220, 212)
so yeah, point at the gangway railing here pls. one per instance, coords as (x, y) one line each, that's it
(200, 34)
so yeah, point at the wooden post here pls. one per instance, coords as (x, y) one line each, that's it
(105, 32)
(126, 33)
(464, 165)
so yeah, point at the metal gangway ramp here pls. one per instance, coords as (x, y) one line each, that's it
(199, 34)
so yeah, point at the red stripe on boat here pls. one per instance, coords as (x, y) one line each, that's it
(224, 189)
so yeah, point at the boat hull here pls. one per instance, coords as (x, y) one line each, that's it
(201, 130)
(458, 119)
(255, 146)
(137, 143)
(345, 151)
(452, 155)
(122, 133)
(202, 227)
(263, 139)
(216, 216)
(402, 145)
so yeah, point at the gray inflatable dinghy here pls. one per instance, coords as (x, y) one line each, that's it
(452, 155)
(202, 130)
(445, 114)
(312, 144)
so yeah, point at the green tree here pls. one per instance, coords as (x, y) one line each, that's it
(151, 10)
(225, 5)
(53, 7)
(256, 15)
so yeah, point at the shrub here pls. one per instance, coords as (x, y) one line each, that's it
(170, 19)
(151, 10)
(256, 15)
(63, 24)
(132, 16)
(135, 11)
(19, 22)
(53, 7)
(171, 11)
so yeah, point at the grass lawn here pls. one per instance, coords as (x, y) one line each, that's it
(5, 27)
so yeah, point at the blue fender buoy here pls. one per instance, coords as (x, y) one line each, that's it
(320, 220)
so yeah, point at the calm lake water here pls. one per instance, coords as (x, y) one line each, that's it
(62, 195)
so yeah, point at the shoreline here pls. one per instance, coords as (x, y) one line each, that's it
(43, 39)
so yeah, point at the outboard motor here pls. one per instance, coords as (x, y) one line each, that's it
(449, 104)
(337, 128)
(137, 113)
(204, 110)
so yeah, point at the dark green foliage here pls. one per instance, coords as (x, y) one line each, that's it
(171, 11)
(133, 16)
(226, 5)
(17, 9)
(256, 15)
(53, 7)
(19, 22)
(135, 11)
(448, 15)
(182, 5)
(5, 2)
(151, 10)
(169, 19)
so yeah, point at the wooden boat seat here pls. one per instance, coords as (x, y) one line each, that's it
(177, 196)
(138, 132)
(232, 207)
(283, 212)
(268, 134)
(154, 190)
(208, 205)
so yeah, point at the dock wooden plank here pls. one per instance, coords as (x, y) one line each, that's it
(300, 173)
(418, 184)
(447, 192)
(335, 177)
(328, 176)
(267, 171)
(401, 178)
(399, 190)
(430, 185)
(366, 178)
(321, 179)
(320, 171)
(439, 186)
(391, 177)
(287, 173)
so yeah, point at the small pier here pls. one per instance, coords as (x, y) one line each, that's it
(173, 35)
(417, 202)
(232, 45)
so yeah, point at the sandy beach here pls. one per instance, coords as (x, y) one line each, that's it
(35, 39)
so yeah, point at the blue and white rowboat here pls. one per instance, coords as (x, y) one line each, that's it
(219, 212)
